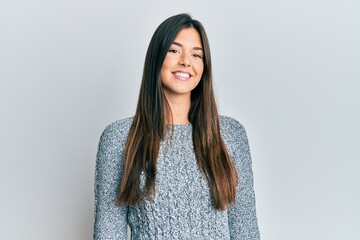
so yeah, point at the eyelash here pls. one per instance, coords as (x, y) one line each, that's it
(173, 51)
(176, 51)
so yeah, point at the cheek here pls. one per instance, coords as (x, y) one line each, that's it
(200, 70)
(164, 77)
(163, 70)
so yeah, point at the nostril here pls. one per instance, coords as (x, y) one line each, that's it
(185, 64)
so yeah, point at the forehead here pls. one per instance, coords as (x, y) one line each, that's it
(189, 37)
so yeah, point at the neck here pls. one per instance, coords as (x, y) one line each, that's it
(180, 106)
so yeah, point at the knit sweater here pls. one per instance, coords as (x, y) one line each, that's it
(182, 207)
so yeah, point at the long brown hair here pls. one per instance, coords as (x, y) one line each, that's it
(148, 128)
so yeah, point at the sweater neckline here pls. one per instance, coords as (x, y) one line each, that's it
(178, 126)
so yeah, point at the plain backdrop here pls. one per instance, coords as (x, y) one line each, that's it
(289, 71)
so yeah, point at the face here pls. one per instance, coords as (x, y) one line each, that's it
(183, 65)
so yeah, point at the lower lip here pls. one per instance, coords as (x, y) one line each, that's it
(181, 78)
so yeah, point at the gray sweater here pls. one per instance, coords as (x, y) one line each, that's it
(182, 207)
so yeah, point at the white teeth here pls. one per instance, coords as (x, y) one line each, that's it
(182, 74)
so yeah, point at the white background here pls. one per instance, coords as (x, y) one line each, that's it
(287, 70)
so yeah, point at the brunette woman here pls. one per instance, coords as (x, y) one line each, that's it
(177, 169)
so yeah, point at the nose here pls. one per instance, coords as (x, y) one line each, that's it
(184, 60)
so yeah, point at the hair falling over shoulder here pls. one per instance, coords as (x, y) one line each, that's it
(148, 126)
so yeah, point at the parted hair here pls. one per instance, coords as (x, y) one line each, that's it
(153, 111)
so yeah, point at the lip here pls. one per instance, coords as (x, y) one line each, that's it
(180, 77)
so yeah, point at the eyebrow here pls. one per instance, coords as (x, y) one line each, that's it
(195, 48)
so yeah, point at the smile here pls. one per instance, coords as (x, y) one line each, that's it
(182, 75)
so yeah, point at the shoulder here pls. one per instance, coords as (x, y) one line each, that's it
(231, 127)
(116, 132)
(229, 122)
(233, 134)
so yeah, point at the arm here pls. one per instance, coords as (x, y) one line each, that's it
(110, 220)
(242, 214)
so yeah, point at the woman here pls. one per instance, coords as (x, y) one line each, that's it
(176, 170)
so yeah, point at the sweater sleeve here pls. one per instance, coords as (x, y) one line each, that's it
(242, 214)
(110, 219)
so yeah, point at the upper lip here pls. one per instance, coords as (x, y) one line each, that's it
(183, 72)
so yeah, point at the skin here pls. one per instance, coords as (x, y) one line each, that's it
(181, 72)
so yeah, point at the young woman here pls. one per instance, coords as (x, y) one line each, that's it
(176, 170)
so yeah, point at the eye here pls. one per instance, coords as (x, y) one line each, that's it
(197, 56)
(173, 51)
